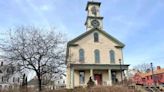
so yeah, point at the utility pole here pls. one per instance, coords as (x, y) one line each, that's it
(153, 77)
(121, 71)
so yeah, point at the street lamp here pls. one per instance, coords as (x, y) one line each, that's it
(121, 70)
(153, 77)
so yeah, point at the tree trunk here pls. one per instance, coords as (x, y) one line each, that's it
(39, 83)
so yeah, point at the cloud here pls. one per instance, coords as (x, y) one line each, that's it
(45, 7)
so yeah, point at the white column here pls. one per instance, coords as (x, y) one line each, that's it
(72, 78)
(110, 77)
(91, 73)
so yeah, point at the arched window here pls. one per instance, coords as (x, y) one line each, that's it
(97, 56)
(96, 37)
(112, 56)
(81, 55)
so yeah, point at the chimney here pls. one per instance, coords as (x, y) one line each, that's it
(158, 67)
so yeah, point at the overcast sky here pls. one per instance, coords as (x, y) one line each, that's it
(139, 24)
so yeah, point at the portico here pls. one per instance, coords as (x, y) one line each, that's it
(100, 73)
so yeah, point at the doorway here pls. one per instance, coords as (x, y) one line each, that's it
(98, 78)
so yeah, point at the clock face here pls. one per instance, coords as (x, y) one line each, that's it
(95, 23)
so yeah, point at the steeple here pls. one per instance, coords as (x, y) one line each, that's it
(94, 19)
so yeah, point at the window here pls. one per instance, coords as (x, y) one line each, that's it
(12, 69)
(143, 79)
(96, 37)
(161, 76)
(13, 79)
(97, 56)
(147, 77)
(7, 79)
(2, 79)
(112, 56)
(1, 63)
(18, 79)
(1, 71)
(81, 55)
(82, 77)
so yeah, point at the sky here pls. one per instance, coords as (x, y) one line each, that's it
(139, 24)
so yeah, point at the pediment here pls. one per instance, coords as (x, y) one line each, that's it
(80, 37)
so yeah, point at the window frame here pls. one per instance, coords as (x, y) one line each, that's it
(81, 55)
(96, 37)
(13, 79)
(112, 56)
(18, 79)
(97, 56)
(2, 78)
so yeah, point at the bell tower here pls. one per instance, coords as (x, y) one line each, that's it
(94, 19)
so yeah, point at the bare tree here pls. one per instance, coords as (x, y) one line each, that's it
(145, 67)
(36, 49)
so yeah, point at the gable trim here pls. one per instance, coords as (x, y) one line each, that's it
(120, 44)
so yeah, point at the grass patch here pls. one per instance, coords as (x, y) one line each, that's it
(78, 89)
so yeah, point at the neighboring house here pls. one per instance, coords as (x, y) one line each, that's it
(8, 76)
(60, 82)
(137, 78)
(33, 83)
(55, 83)
(94, 53)
(149, 78)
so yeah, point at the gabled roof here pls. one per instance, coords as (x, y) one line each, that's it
(120, 44)
(160, 71)
(71, 43)
(156, 72)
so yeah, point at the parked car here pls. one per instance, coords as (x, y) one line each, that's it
(161, 87)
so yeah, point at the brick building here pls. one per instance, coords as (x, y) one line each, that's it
(148, 78)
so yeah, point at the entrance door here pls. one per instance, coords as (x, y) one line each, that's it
(114, 79)
(98, 77)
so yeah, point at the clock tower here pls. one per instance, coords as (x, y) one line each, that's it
(94, 54)
(94, 19)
